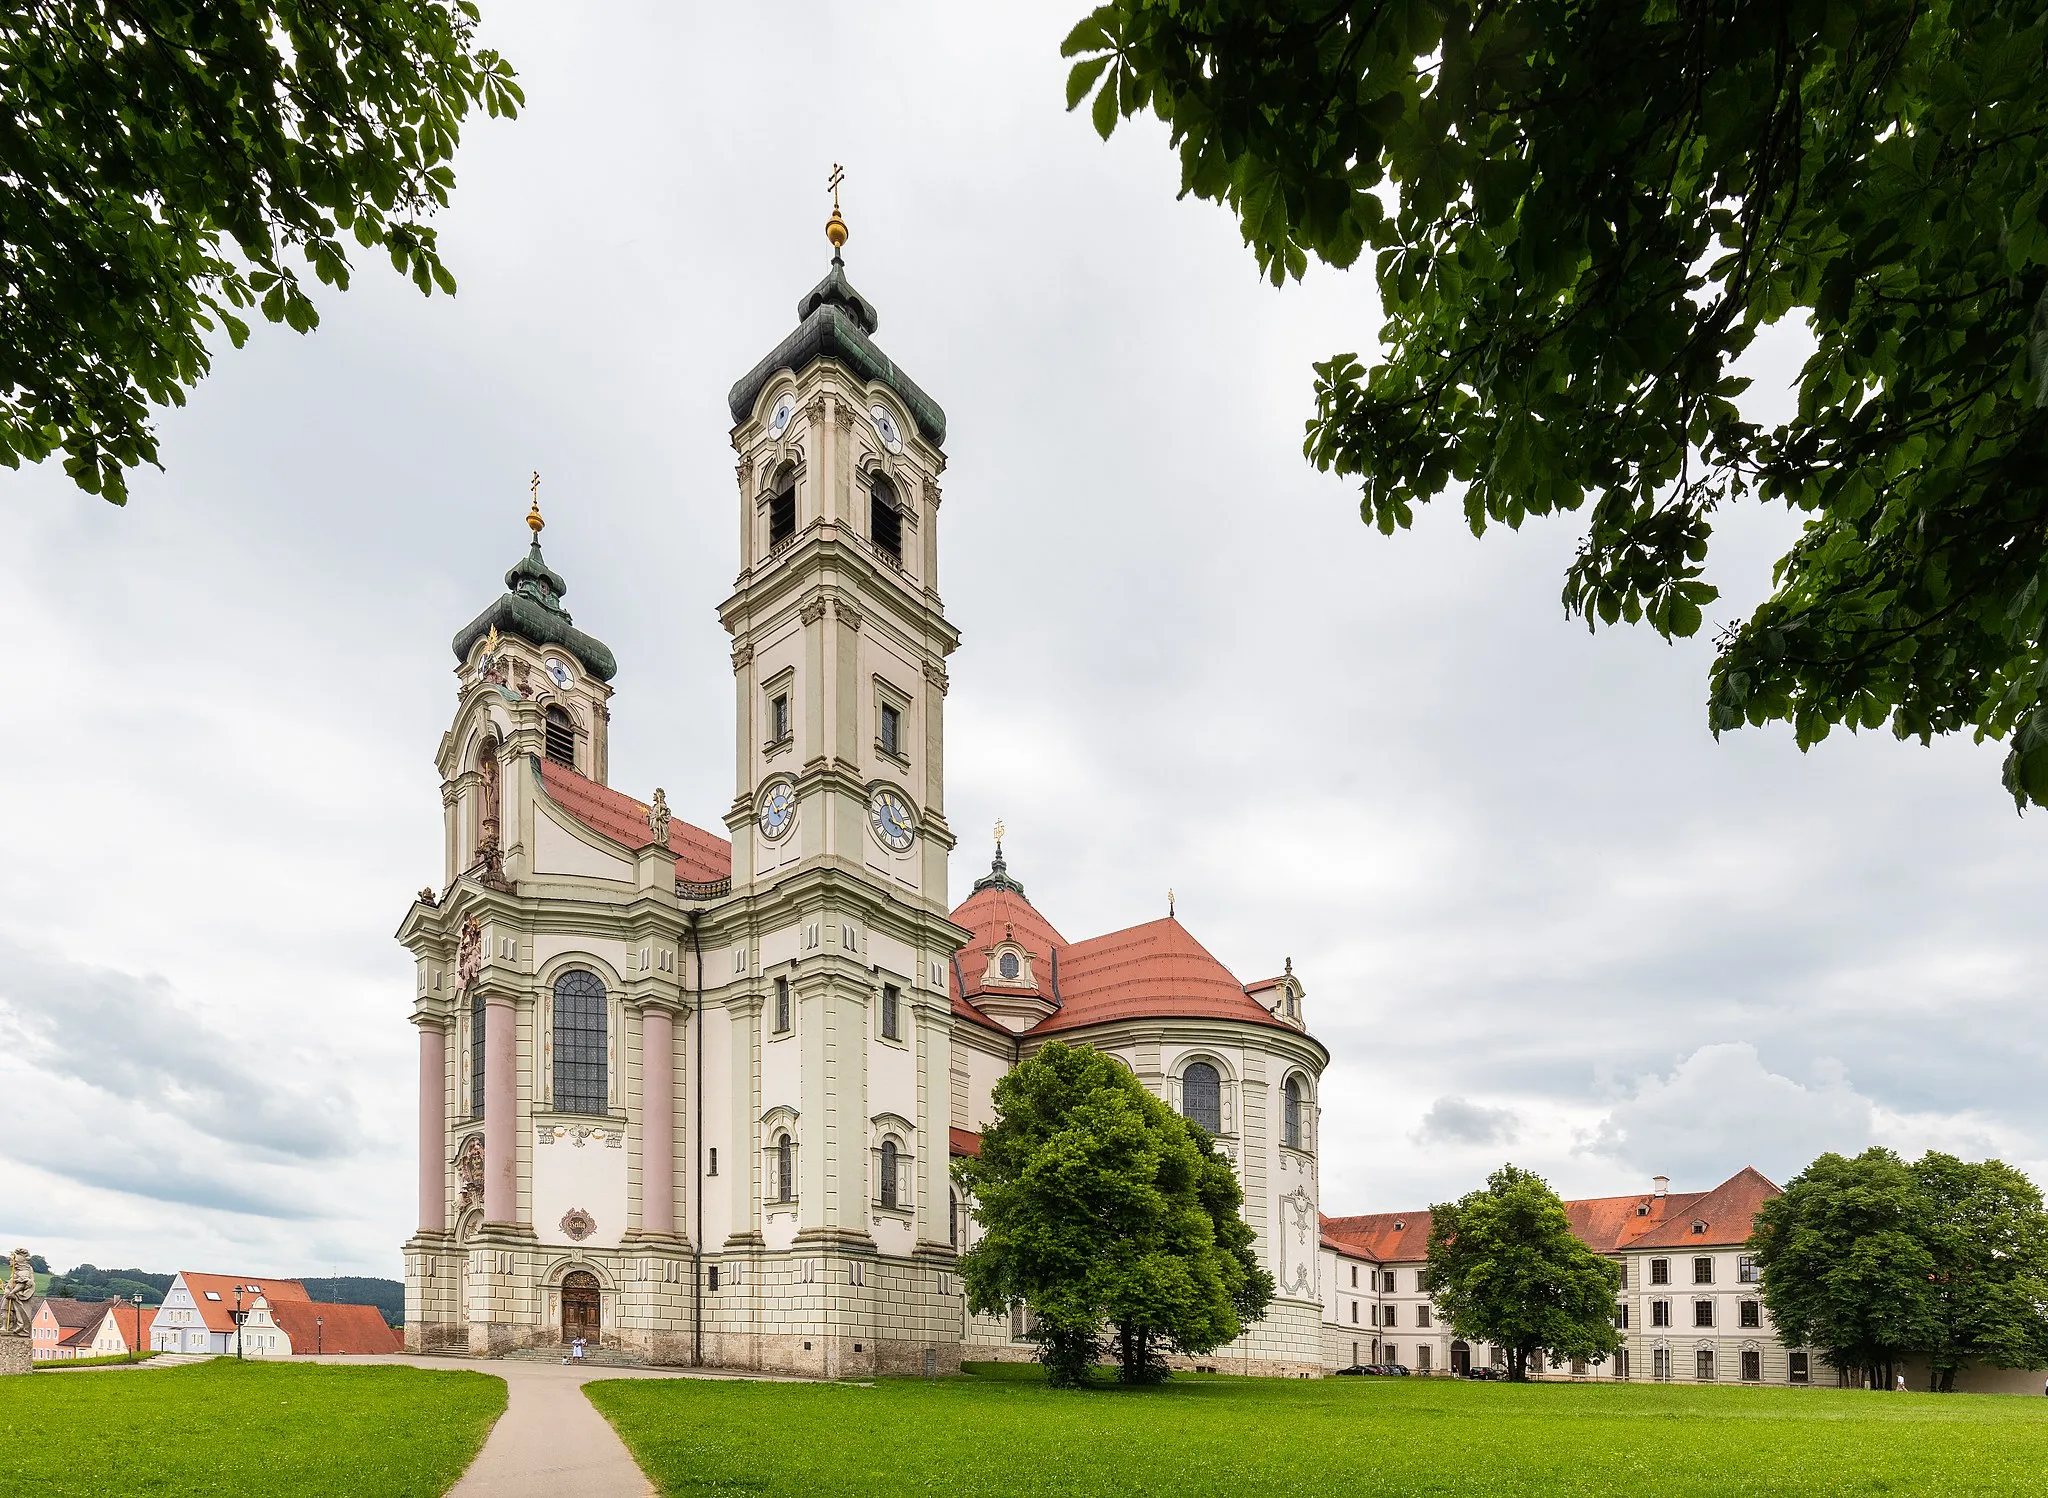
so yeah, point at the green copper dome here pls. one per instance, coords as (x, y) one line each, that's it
(835, 322)
(533, 611)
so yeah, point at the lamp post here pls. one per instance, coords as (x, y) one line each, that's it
(319, 1335)
(238, 1323)
(135, 1347)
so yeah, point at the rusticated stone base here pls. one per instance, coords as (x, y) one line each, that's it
(437, 1336)
(16, 1355)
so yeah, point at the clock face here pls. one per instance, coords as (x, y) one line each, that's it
(558, 673)
(889, 814)
(778, 809)
(885, 428)
(785, 410)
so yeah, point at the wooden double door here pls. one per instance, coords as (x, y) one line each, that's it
(581, 1307)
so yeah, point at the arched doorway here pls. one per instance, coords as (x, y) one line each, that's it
(1461, 1359)
(580, 1302)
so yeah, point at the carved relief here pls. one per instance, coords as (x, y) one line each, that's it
(742, 656)
(813, 610)
(469, 1172)
(469, 954)
(936, 675)
(847, 614)
(580, 1135)
(578, 1224)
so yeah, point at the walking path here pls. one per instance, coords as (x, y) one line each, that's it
(551, 1442)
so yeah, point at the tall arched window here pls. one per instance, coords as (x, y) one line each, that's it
(782, 508)
(885, 519)
(1201, 1096)
(1290, 1104)
(889, 1173)
(579, 1043)
(785, 1187)
(476, 1057)
(561, 737)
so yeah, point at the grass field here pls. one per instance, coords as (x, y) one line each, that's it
(293, 1430)
(1214, 1436)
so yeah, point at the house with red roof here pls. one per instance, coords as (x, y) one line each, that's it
(123, 1328)
(61, 1328)
(693, 1091)
(1689, 1304)
(214, 1313)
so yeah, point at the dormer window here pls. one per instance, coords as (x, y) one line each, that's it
(782, 510)
(885, 520)
(561, 737)
(1008, 965)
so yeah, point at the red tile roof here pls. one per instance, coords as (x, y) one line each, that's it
(701, 857)
(1156, 970)
(123, 1314)
(963, 1142)
(74, 1316)
(219, 1315)
(337, 1329)
(1605, 1224)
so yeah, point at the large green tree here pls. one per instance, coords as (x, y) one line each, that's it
(1873, 1260)
(1583, 212)
(1108, 1214)
(1505, 1268)
(167, 166)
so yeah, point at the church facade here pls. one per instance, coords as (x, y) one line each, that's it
(694, 1093)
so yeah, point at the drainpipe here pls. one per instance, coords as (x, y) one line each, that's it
(697, 1153)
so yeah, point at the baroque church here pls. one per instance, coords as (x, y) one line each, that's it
(694, 1094)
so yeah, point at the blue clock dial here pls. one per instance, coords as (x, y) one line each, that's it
(889, 814)
(778, 809)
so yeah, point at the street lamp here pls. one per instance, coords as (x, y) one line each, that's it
(135, 1347)
(238, 1323)
(319, 1335)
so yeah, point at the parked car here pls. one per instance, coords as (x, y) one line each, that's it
(1354, 1369)
(1396, 1370)
(1483, 1372)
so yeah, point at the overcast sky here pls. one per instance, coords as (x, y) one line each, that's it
(1541, 914)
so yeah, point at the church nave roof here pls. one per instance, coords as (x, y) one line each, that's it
(701, 857)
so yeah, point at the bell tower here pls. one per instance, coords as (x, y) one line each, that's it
(839, 637)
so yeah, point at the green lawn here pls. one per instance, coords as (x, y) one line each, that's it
(1337, 1436)
(297, 1430)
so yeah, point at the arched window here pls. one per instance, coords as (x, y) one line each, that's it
(885, 519)
(785, 1169)
(561, 737)
(476, 1057)
(1007, 965)
(782, 508)
(889, 1173)
(1290, 1104)
(579, 1043)
(1201, 1096)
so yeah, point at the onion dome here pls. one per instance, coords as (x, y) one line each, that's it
(531, 609)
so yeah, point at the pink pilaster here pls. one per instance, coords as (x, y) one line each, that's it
(433, 1128)
(657, 1122)
(501, 1101)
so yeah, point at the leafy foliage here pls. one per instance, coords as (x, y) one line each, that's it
(1581, 216)
(1871, 1259)
(1099, 1206)
(1505, 1268)
(164, 159)
(89, 1282)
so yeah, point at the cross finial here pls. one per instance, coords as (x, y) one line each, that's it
(1169, 904)
(835, 226)
(1000, 830)
(533, 520)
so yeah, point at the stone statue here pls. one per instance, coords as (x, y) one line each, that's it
(20, 1296)
(657, 816)
(469, 954)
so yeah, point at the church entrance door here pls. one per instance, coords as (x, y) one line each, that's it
(1461, 1359)
(579, 1307)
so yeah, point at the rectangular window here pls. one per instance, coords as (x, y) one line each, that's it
(476, 1057)
(1703, 1271)
(1752, 1367)
(1354, 1313)
(1387, 1316)
(1420, 1288)
(1752, 1314)
(892, 731)
(1660, 1313)
(1660, 1364)
(1422, 1315)
(1703, 1365)
(1621, 1314)
(778, 718)
(714, 1277)
(1578, 1367)
(781, 1005)
(1622, 1282)
(712, 1170)
(1746, 1270)
(1703, 1313)
(1422, 1351)
(891, 1002)
(782, 515)
(1660, 1271)
(1621, 1363)
(1387, 1281)
(1797, 1370)
(1354, 1276)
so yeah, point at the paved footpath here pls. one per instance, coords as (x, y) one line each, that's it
(551, 1442)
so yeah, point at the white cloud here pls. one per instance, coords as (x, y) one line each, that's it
(1454, 1121)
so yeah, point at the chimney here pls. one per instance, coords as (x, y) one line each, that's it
(1663, 1184)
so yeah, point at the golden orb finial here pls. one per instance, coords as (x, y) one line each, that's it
(533, 520)
(835, 226)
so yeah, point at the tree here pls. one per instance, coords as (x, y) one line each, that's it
(1582, 215)
(1845, 1266)
(163, 159)
(1101, 1208)
(1505, 1268)
(1987, 1239)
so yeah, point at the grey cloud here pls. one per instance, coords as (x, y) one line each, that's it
(1453, 1120)
(131, 1038)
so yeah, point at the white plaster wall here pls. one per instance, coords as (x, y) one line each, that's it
(590, 1175)
(983, 1072)
(893, 958)
(779, 948)
(556, 850)
(717, 1099)
(781, 1065)
(548, 945)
